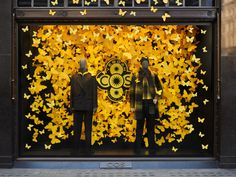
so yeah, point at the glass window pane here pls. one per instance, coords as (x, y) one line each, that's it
(192, 2)
(40, 3)
(208, 2)
(24, 3)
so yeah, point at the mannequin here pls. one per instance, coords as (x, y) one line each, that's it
(83, 104)
(144, 94)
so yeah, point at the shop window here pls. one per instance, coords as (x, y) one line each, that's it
(181, 57)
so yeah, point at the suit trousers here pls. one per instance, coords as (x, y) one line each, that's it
(79, 118)
(150, 125)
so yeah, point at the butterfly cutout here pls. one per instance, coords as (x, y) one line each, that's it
(28, 77)
(201, 134)
(121, 3)
(203, 31)
(155, 2)
(107, 2)
(201, 120)
(202, 72)
(24, 66)
(190, 39)
(139, 1)
(204, 50)
(54, 2)
(27, 146)
(29, 127)
(174, 149)
(154, 10)
(75, 1)
(165, 16)
(51, 12)
(26, 96)
(25, 29)
(42, 132)
(47, 146)
(133, 13)
(166, 1)
(205, 87)
(204, 146)
(122, 13)
(205, 101)
(84, 12)
(87, 3)
(29, 54)
(178, 3)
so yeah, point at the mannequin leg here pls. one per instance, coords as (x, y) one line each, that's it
(88, 128)
(78, 119)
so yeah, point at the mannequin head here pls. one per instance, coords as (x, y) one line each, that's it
(144, 63)
(83, 64)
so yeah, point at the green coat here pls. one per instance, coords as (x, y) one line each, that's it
(136, 93)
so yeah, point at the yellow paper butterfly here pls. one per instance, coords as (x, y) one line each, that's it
(84, 12)
(155, 2)
(203, 72)
(166, 1)
(75, 1)
(29, 54)
(51, 12)
(133, 13)
(54, 2)
(190, 30)
(26, 96)
(194, 94)
(178, 2)
(174, 149)
(179, 140)
(47, 146)
(201, 134)
(27, 146)
(25, 29)
(29, 127)
(87, 3)
(154, 10)
(24, 66)
(122, 3)
(28, 77)
(205, 101)
(190, 39)
(204, 146)
(34, 34)
(107, 2)
(28, 115)
(122, 13)
(205, 87)
(41, 132)
(201, 120)
(203, 31)
(165, 16)
(204, 49)
(139, 1)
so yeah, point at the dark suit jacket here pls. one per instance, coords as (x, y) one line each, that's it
(136, 93)
(83, 92)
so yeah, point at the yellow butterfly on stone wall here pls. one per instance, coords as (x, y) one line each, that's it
(51, 12)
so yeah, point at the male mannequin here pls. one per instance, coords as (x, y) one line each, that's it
(83, 103)
(144, 93)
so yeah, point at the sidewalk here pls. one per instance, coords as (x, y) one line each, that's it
(20, 172)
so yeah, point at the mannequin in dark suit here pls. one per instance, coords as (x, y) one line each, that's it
(145, 92)
(83, 104)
